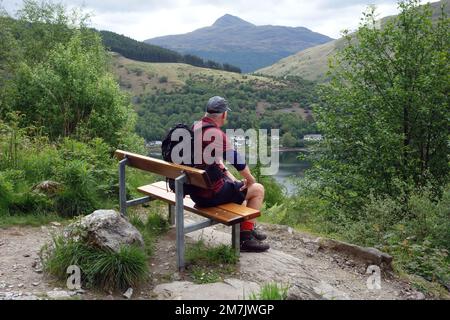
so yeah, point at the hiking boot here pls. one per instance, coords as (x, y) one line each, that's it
(250, 244)
(259, 235)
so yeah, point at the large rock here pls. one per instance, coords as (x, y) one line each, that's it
(106, 229)
(229, 289)
(47, 187)
(366, 255)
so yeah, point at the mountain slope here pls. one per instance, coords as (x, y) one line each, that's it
(233, 40)
(143, 78)
(145, 52)
(312, 63)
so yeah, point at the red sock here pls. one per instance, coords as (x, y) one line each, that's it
(247, 226)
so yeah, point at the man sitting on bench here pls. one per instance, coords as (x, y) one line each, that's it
(225, 187)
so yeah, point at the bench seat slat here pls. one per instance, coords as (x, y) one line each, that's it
(222, 216)
(228, 214)
(231, 207)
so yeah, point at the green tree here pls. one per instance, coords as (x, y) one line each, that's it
(72, 93)
(288, 140)
(41, 26)
(60, 81)
(385, 114)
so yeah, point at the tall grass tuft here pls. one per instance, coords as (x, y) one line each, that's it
(100, 268)
(271, 291)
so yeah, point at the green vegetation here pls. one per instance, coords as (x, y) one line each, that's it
(381, 176)
(153, 226)
(271, 291)
(145, 52)
(61, 117)
(99, 268)
(162, 110)
(210, 264)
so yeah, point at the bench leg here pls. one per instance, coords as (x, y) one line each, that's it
(236, 238)
(171, 215)
(122, 187)
(179, 209)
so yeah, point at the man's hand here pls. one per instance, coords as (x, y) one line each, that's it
(247, 183)
(244, 186)
(248, 178)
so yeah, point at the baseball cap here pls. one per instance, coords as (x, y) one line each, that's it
(217, 105)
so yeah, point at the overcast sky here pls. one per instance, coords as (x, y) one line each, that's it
(144, 19)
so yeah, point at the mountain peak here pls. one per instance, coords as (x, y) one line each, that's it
(230, 21)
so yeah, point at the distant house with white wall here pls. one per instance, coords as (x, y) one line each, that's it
(154, 143)
(313, 137)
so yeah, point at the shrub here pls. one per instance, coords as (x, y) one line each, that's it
(6, 190)
(78, 194)
(274, 193)
(16, 198)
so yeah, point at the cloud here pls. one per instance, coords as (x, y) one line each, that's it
(143, 19)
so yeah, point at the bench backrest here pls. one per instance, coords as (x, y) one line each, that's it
(195, 177)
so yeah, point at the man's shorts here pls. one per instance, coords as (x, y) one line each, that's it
(230, 192)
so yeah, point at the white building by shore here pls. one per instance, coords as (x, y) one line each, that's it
(313, 137)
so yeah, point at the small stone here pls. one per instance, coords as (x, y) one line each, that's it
(26, 255)
(290, 231)
(128, 293)
(418, 296)
(58, 294)
(20, 285)
(176, 277)
(80, 291)
(38, 270)
(36, 284)
(56, 224)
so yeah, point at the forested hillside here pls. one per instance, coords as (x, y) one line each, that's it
(141, 51)
(167, 94)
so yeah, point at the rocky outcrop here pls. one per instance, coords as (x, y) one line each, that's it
(369, 256)
(105, 229)
(229, 289)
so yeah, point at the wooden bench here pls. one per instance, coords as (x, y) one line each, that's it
(229, 214)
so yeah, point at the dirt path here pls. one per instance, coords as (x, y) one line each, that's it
(293, 259)
(21, 275)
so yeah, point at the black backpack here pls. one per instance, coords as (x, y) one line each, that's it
(213, 171)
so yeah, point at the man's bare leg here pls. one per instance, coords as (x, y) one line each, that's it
(255, 197)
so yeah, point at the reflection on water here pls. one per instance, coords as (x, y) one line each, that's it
(291, 169)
